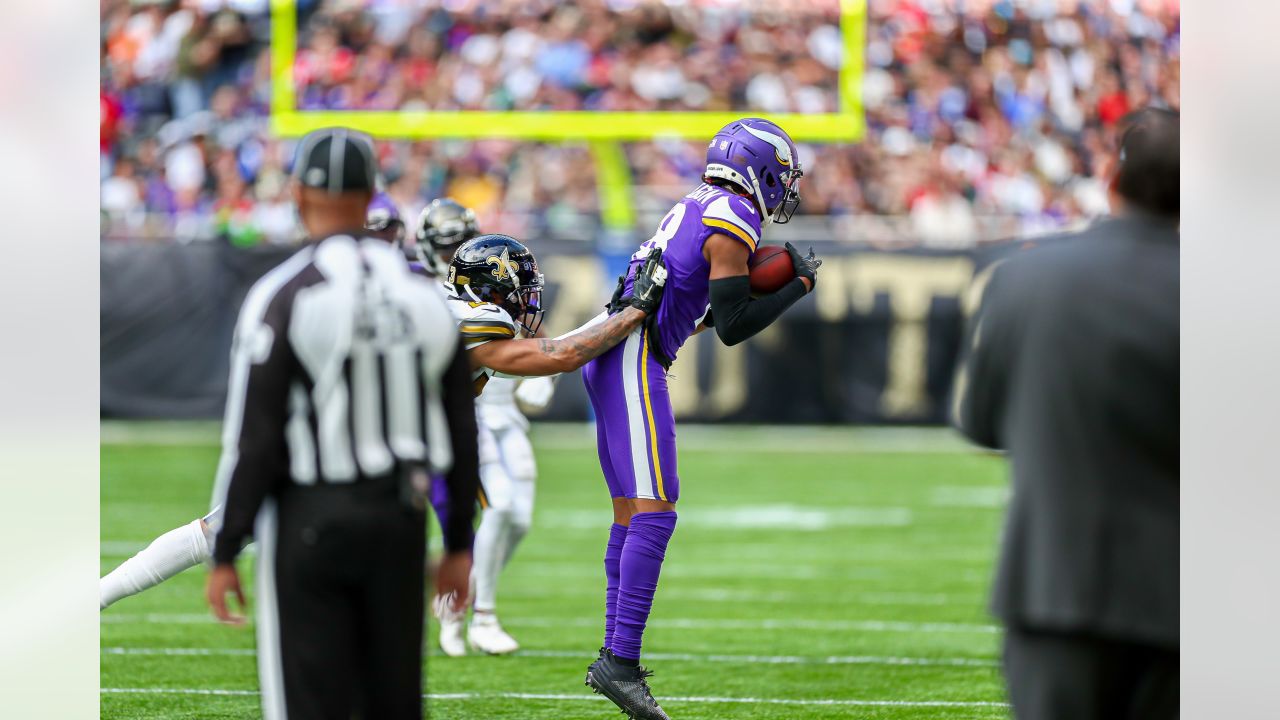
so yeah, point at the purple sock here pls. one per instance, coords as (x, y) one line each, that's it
(612, 556)
(641, 563)
(440, 500)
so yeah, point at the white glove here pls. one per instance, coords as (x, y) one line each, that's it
(535, 393)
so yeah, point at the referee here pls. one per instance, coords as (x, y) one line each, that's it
(348, 388)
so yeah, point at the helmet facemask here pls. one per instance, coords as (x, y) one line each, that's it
(524, 304)
(790, 196)
(525, 307)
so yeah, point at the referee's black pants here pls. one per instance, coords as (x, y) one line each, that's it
(1069, 676)
(340, 604)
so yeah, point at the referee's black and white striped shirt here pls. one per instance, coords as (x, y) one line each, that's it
(345, 365)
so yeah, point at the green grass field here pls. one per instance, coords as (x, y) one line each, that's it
(814, 574)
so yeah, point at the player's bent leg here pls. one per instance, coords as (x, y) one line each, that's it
(639, 569)
(654, 490)
(166, 556)
(485, 634)
(519, 519)
(618, 674)
(517, 457)
(613, 575)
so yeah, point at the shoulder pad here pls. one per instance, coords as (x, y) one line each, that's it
(480, 322)
(735, 216)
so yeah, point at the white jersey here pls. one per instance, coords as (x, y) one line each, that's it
(480, 323)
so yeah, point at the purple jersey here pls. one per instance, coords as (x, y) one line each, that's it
(705, 211)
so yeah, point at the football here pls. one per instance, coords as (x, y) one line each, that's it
(770, 268)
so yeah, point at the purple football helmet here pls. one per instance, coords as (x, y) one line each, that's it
(758, 156)
(384, 219)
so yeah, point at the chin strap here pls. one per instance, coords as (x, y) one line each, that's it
(755, 186)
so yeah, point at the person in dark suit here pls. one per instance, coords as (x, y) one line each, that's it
(1071, 366)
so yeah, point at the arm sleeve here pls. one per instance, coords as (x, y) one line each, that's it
(738, 316)
(255, 456)
(463, 479)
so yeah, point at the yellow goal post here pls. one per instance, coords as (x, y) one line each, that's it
(844, 125)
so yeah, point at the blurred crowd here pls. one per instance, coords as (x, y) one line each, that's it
(975, 110)
(553, 55)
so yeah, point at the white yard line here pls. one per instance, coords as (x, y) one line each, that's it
(775, 517)
(788, 659)
(676, 623)
(581, 436)
(733, 597)
(596, 698)
(772, 624)
(674, 657)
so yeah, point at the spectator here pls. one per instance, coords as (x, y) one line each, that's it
(1015, 101)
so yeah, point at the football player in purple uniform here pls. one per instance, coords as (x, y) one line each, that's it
(383, 220)
(707, 239)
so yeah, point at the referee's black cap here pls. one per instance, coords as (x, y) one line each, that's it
(336, 160)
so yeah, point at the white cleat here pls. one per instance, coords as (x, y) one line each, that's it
(451, 623)
(487, 636)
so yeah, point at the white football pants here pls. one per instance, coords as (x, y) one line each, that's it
(507, 474)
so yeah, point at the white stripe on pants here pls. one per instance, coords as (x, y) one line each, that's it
(270, 662)
(635, 415)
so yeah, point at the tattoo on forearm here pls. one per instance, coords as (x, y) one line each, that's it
(595, 340)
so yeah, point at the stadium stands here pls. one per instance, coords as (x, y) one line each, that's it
(981, 123)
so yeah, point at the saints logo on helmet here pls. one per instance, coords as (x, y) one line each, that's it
(501, 270)
(503, 267)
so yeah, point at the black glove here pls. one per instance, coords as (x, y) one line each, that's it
(806, 266)
(646, 288)
(615, 303)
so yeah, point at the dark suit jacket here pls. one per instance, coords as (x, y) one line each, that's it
(1072, 367)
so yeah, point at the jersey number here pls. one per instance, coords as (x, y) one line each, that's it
(666, 230)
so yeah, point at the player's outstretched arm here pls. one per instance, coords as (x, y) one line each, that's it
(735, 315)
(533, 357)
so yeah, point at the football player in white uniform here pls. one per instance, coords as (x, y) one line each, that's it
(191, 544)
(507, 464)
(495, 289)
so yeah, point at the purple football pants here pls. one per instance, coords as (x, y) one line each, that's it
(635, 427)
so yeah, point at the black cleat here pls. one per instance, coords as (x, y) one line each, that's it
(593, 665)
(625, 685)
